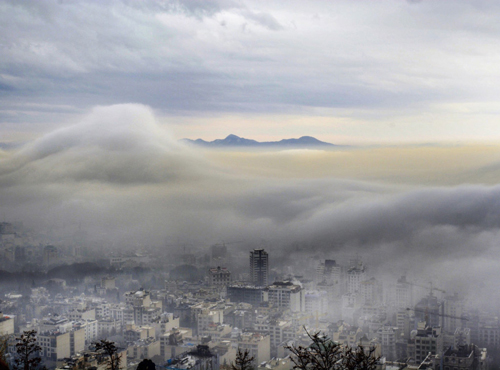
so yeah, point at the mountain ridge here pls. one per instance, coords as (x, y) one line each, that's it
(236, 141)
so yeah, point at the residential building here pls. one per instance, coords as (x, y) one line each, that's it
(56, 344)
(219, 276)
(427, 340)
(355, 275)
(468, 357)
(286, 295)
(247, 294)
(258, 345)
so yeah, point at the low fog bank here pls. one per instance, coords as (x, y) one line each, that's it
(123, 180)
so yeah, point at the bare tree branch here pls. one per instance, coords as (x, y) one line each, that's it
(325, 354)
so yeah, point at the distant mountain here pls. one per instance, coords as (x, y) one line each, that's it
(236, 141)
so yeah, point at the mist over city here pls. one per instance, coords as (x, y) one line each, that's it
(185, 180)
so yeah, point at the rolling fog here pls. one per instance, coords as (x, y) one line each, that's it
(432, 212)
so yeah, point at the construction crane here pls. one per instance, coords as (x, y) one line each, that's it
(316, 315)
(426, 312)
(430, 287)
(464, 318)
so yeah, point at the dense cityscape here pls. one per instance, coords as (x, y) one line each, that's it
(223, 299)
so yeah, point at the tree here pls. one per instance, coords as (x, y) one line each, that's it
(27, 351)
(146, 365)
(325, 354)
(360, 359)
(243, 361)
(109, 349)
(4, 344)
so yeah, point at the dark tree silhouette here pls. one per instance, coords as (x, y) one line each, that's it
(27, 351)
(243, 361)
(109, 349)
(146, 365)
(325, 354)
(360, 359)
(4, 344)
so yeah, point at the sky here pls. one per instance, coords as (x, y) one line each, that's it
(98, 95)
(345, 72)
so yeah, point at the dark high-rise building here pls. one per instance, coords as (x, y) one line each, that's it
(259, 267)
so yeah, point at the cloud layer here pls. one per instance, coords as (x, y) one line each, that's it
(121, 176)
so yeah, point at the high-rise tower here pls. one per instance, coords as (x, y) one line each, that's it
(259, 267)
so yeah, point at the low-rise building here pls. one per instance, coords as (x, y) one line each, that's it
(219, 276)
(427, 340)
(57, 344)
(134, 333)
(143, 348)
(199, 358)
(277, 364)
(258, 345)
(468, 357)
(286, 295)
(247, 294)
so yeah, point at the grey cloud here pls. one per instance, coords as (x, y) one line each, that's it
(91, 53)
(264, 19)
(200, 8)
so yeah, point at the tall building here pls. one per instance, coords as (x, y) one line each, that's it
(387, 338)
(259, 267)
(355, 275)
(453, 309)
(404, 294)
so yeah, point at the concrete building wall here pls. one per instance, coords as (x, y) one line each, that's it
(6, 325)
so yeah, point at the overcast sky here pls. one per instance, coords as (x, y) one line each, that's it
(100, 91)
(344, 71)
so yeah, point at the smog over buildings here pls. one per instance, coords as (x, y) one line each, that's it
(230, 174)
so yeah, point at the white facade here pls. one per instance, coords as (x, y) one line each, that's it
(287, 295)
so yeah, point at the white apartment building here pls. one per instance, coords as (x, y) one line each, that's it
(286, 295)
